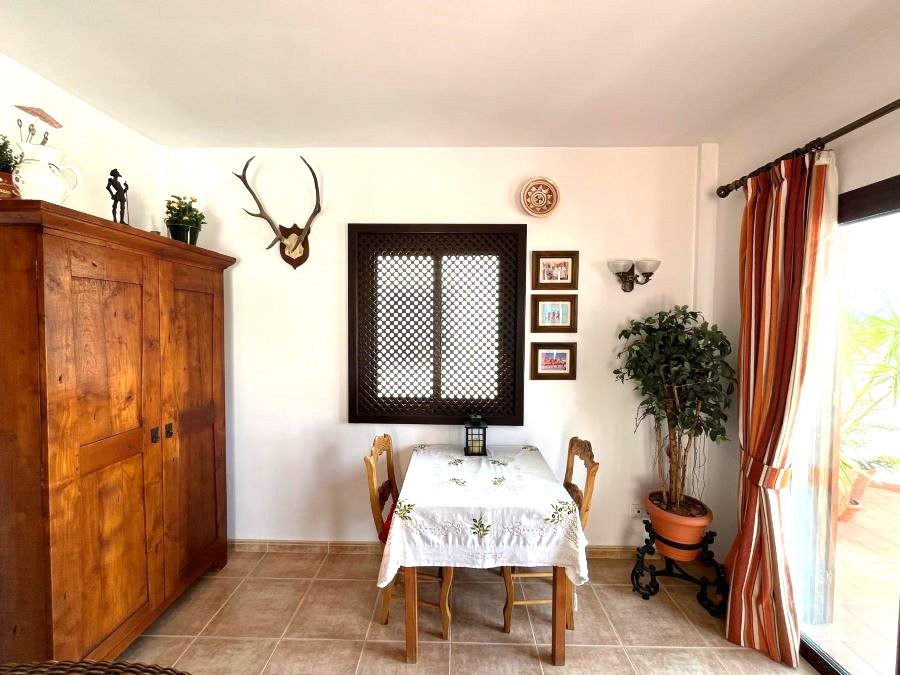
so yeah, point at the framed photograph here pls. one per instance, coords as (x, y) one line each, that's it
(553, 360)
(554, 270)
(554, 313)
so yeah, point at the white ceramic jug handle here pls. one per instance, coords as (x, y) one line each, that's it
(78, 177)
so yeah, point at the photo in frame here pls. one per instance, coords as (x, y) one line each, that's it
(554, 313)
(554, 270)
(553, 360)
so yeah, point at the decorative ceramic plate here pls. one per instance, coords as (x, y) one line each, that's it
(540, 196)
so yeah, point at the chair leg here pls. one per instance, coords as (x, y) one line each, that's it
(570, 607)
(446, 583)
(510, 598)
(386, 602)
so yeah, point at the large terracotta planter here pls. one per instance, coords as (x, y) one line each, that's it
(863, 478)
(682, 529)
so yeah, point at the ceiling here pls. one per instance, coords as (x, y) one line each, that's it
(417, 73)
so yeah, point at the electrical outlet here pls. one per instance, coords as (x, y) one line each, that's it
(638, 511)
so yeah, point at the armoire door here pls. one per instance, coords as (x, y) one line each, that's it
(104, 468)
(193, 421)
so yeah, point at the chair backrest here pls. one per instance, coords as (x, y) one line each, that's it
(378, 494)
(582, 450)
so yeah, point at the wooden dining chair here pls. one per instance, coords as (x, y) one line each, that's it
(378, 497)
(582, 450)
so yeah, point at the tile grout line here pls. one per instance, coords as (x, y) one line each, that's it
(368, 629)
(221, 607)
(614, 629)
(685, 615)
(531, 623)
(294, 613)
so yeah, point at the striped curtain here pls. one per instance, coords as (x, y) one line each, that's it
(788, 228)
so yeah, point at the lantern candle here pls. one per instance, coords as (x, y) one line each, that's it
(476, 437)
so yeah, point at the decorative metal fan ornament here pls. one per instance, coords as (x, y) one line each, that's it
(540, 196)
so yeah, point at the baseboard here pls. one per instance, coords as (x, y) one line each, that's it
(286, 546)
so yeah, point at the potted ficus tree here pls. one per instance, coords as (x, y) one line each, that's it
(8, 162)
(679, 366)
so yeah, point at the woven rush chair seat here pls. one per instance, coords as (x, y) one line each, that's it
(86, 668)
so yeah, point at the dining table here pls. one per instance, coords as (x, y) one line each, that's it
(503, 508)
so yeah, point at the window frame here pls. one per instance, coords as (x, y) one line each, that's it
(353, 355)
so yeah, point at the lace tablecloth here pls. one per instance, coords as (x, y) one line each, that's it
(504, 509)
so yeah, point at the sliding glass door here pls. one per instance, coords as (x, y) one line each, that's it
(846, 488)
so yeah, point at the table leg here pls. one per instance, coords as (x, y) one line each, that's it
(411, 592)
(560, 593)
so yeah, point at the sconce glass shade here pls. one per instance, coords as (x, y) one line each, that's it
(619, 265)
(647, 265)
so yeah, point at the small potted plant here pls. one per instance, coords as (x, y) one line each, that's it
(184, 219)
(679, 366)
(8, 162)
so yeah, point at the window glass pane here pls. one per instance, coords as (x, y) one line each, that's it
(470, 326)
(404, 326)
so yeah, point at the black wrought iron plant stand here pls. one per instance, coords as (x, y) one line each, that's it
(642, 568)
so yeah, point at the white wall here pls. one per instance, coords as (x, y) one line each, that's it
(820, 99)
(295, 464)
(91, 140)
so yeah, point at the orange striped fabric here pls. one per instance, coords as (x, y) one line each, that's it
(789, 214)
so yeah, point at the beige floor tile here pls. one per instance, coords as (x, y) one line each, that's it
(350, 566)
(289, 565)
(478, 615)
(584, 660)
(395, 630)
(848, 658)
(751, 662)
(156, 651)
(610, 571)
(386, 658)
(335, 610)
(846, 626)
(711, 629)
(880, 654)
(239, 564)
(193, 610)
(674, 661)
(495, 659)
(591, 625)
(226, 656)
(259, 608)
(694, 568)
(881, 618)
(656, 622)
(319, 657)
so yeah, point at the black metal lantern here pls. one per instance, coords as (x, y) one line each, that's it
(476, 437)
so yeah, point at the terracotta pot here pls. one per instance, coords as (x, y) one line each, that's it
(682, 529)
(850, 512)
(863, 478)
(7, 187)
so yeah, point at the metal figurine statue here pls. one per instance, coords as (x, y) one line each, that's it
(119, 193)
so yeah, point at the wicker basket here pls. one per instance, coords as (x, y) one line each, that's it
(86, 668)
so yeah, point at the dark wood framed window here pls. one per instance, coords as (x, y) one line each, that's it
(869, 201)
(436, 317)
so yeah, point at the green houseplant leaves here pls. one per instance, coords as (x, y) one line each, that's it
(679, 366)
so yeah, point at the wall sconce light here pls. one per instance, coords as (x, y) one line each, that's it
(625, 271)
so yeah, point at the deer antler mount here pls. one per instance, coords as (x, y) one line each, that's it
(293, 241)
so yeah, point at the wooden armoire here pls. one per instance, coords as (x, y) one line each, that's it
(112, 429)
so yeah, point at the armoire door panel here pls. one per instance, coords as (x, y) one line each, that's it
(109, 336)
(108, 346)
(193, 456)
(115, 556)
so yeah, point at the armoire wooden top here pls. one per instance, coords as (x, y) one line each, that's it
(52, 218)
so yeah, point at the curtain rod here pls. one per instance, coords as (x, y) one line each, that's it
(816, 144)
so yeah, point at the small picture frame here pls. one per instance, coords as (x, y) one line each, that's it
(553, 360)
(554, 313)
(554, 270)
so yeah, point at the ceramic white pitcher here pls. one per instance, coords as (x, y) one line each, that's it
(40, 174)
